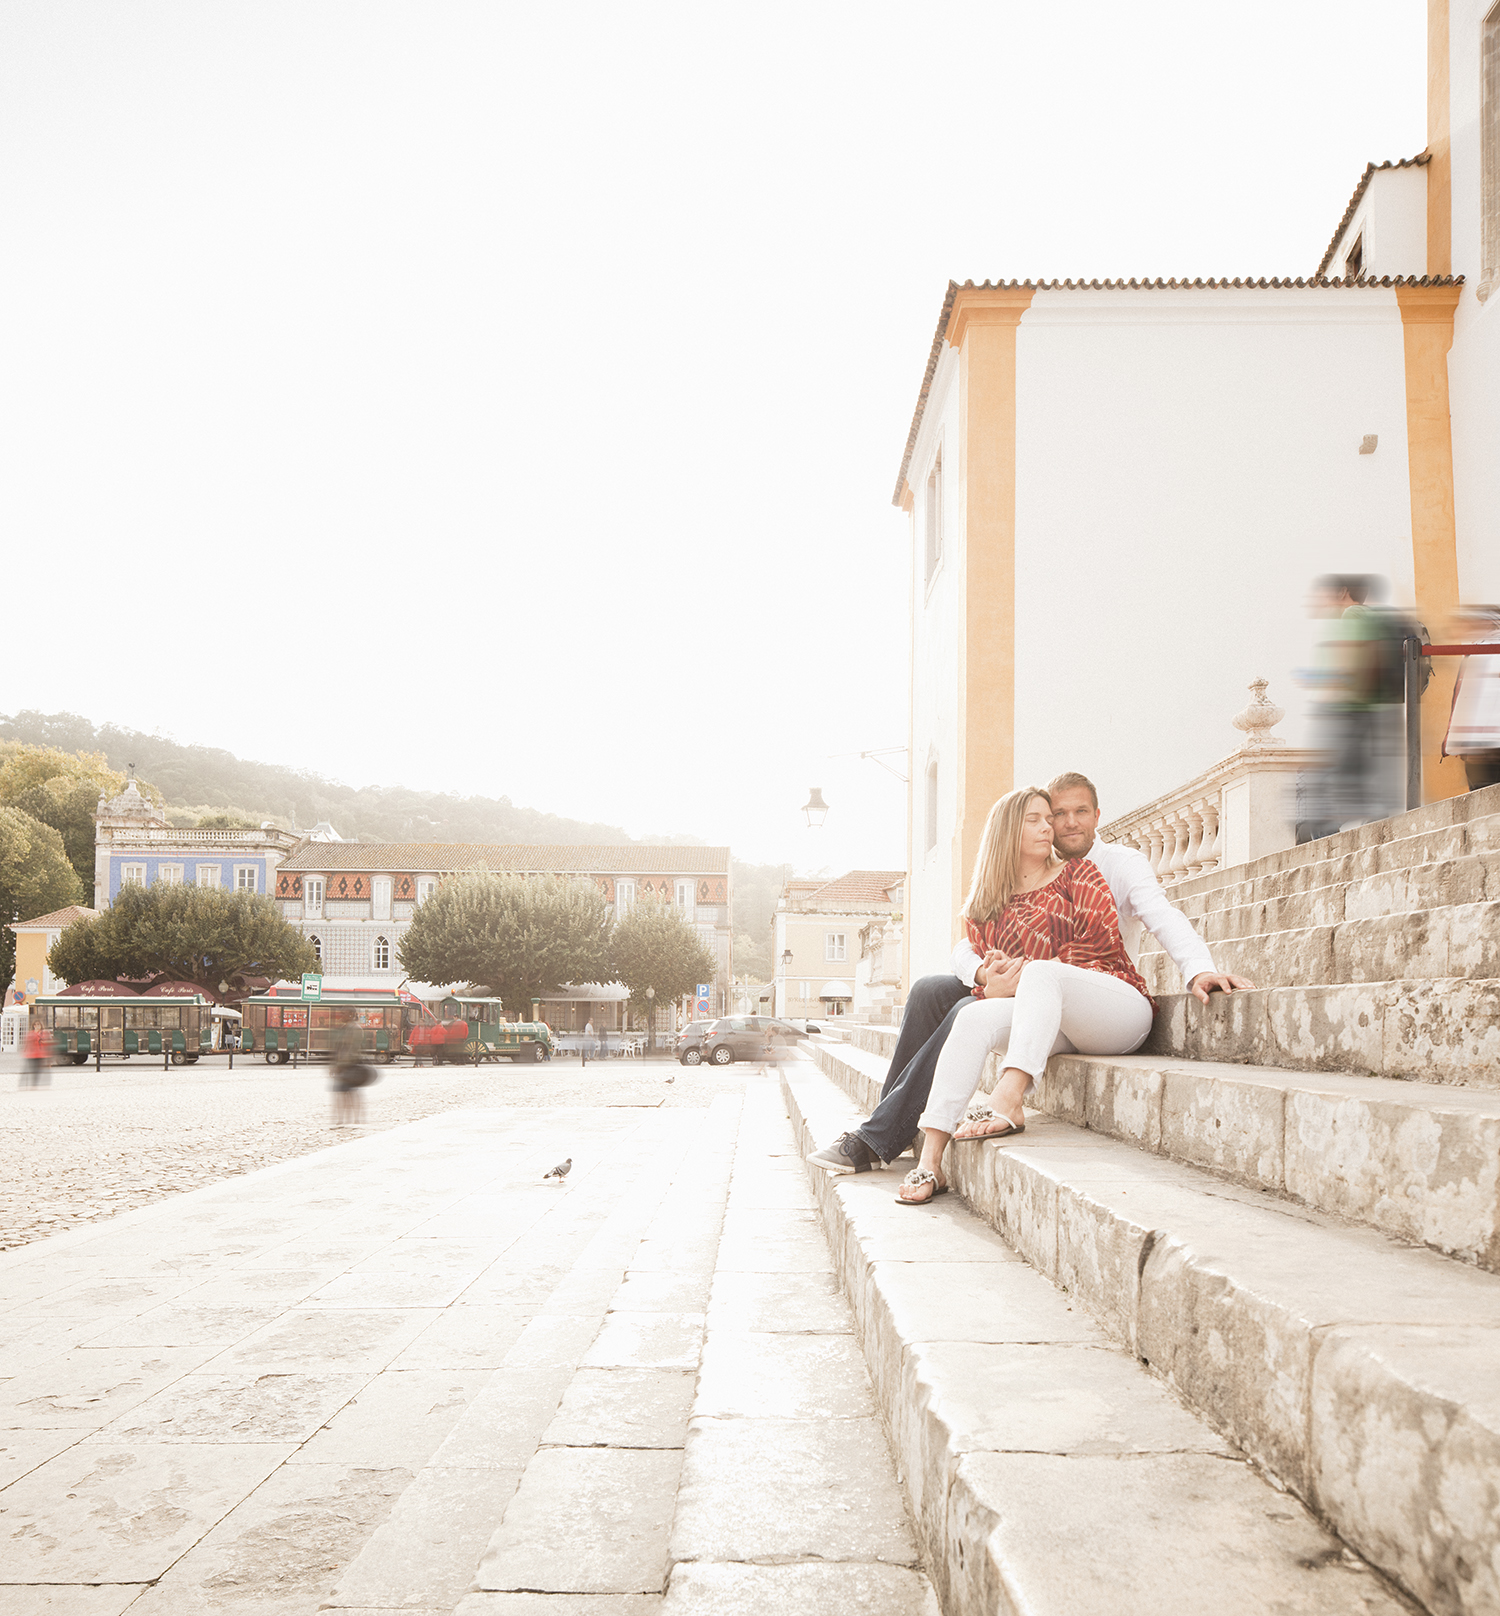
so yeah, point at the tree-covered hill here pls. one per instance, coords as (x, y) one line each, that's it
(204, 780)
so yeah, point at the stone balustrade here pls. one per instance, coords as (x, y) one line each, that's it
(1241, 808)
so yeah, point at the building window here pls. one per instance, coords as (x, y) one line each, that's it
(382, 955)
(426, 886)
(932, 806)
(1489, 154)
(317, 948)
(132, 875)
(1354, 260)
(624, 897)
(244, 878)
(833, 946)
(932, 515)
(312, 896)
(169, 875)
(685, 903)
(208, 875)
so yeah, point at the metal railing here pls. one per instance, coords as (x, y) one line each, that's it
(1413, 650)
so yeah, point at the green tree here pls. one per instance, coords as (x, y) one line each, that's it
(516, 936)
(62, 789)
(752, 958)
(654, 948)
(205, 935)
(35, 878)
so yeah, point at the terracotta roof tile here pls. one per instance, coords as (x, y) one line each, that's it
(1159, 284)
(858, 886)
(444, 857)
(1371, 169)
(56, 920)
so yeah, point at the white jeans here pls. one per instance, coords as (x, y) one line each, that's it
(1057, 1009)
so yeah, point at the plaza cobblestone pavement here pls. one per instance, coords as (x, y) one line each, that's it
(407, 1372)
(92, 1144)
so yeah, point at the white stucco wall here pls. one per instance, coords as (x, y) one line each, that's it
(1474, 362)
(1391, 222)
(1187, 461)
(934, 686)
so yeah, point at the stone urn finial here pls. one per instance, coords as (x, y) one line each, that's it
(1258, 718)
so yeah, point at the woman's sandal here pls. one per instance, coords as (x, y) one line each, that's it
(917, 1177)
(983, 1113)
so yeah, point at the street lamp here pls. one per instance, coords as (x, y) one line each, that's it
(815, 808)
(651, 1018)
(786, 956)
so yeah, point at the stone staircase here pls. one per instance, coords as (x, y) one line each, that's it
(1309, 1259)
(1376, 951)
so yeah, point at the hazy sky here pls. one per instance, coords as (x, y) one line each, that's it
(508, 399)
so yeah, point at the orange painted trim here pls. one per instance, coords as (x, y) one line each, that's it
(908, 500)
(1440, 169)
(1427, 335)
(988, 305)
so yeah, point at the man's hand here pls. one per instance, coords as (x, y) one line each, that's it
(992, 957)
(1001, 983)
(1207, 982)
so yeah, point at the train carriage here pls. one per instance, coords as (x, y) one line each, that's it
(280, 1023)
(488, 1035)
(182, 1026)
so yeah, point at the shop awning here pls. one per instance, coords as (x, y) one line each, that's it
(835, 990)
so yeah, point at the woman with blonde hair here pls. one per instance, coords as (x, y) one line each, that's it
(1059, 980)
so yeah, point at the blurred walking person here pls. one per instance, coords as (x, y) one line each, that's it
(36, 1059)
(1356, 681)
(1474, 723)
(350, 1075)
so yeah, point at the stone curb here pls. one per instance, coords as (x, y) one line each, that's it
(1362, 1375)
(1418, 1161)
(984, 1491)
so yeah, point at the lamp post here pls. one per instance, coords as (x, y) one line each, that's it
(651, 1019)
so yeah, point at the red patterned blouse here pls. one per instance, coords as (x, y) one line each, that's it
(1073, 919)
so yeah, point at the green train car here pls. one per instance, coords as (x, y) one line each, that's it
(182, 1026)
(490, 1035)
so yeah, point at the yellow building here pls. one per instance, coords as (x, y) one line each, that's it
(816, 939)
(34, 940)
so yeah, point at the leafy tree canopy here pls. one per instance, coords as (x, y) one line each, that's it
(61, 789)
(35, 878)
(205, 935)
(518, 937)
(654, 947)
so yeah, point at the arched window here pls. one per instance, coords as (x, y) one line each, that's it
(382, 959)
(317, 943)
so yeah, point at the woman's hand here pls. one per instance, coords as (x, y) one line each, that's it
(1002, 979)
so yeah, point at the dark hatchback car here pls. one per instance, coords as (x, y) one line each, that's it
(754, 1038)
(690, 1042)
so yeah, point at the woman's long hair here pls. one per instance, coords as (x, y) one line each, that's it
(997, 865)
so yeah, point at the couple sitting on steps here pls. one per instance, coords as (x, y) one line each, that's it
(1052, 926)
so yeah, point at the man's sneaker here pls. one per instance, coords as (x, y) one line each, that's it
(847, 1154)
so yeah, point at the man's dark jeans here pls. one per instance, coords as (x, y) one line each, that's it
(930, 1008)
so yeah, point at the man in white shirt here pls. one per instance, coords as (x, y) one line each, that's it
(934, 1001)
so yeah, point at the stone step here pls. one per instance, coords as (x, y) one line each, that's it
(1442, 1030)
(1047, 1471)
(1438, 831)
(1459, 940)
(1419, 1161)
(1360, 1373)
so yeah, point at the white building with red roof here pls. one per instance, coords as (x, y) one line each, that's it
(821, 934)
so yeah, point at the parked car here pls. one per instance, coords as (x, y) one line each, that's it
(756, 1038)
(690, 1042)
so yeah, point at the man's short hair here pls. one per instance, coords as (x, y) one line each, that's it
(1359, 585)
(1069, 782)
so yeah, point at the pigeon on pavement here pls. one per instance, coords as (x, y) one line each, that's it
(560, 1172)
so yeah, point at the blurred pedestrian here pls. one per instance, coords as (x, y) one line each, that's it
(350, 1075)
(1474, 722)
(36, 1059)
(586, 1047)
(1356, 681)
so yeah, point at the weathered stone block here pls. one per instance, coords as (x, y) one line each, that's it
(1062, 1090)
(1099, 1256)
(1233, 1354)
(1328, 1028)
(1124, 1101)
(1444, 1031)
(1418, 1172)
(1231, 1125)
(1414, 1478)
(1391, 948)
(1473, 940)
(1427, 847)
